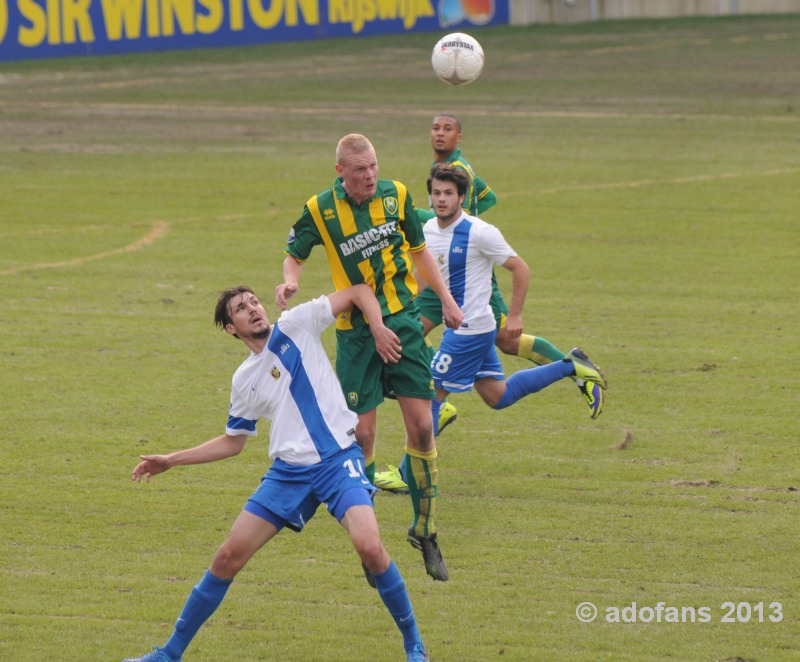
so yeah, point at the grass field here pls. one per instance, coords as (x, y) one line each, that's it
(649, 172)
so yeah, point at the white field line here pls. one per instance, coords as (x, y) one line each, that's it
(159, 230)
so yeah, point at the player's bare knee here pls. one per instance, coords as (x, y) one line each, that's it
(227, 562)
(505, 345)
(369, 547)
(366, 433)
(421, 438)
(373, 553)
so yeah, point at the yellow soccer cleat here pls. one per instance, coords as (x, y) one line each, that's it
(391, 481)
(447, 414)
(585, 369)
(593, 395)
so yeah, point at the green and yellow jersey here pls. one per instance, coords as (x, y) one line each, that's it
(367, 243)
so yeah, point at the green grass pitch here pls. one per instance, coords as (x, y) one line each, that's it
(649, 172)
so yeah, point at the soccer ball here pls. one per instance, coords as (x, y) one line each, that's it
(457, 59)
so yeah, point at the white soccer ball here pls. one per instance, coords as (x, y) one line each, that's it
(457, 59)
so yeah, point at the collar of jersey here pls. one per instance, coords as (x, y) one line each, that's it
(341, 194)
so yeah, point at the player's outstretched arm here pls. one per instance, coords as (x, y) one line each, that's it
(292, 270)
(220, 448)
(386, 342)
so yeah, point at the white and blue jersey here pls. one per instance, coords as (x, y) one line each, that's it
(292, 384)
(466, 252)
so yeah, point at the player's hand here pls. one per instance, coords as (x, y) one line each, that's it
(284, 292)
(150, 466)
(452, 315)
(387, 344)
(513, 327)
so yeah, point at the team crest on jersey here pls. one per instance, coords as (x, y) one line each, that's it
(275, 372)
(352, 398)
(390, 205)
(440, 258)
(329, 214)
(291, 236)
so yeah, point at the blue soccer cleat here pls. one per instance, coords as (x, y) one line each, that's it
(156, 655)
(417, 654)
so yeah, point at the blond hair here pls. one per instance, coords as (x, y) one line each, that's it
(352, 143)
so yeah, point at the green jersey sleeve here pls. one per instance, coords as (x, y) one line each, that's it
(485, 195)
(303, 236)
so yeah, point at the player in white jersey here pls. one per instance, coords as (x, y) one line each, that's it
(289, 380)
(466, 250)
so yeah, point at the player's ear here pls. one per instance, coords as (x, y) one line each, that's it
(230, 328)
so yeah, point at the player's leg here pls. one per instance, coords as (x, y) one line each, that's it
(538, 350)
(342, 485)
(394, 478)
(407, 379)
(499, 395)
(422, 476)
(457, 362)
(366, 433)
(410, 380)
(542, 352)
(421, 469)
(361, 524)
(249, 533)
(359, 369)
(430, 308)
(453, 370)
(464, 360)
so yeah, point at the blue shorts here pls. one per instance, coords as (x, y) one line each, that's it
(289, 495)
(462, 360)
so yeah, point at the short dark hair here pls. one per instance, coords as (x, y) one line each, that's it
(222, 313)
(451, 117)
(447, 172)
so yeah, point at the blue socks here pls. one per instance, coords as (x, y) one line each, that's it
(435, 407)
(393, 592)
(202, 602)
(520, 384)
(209, 593)
(529, 381)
